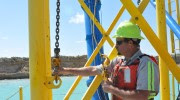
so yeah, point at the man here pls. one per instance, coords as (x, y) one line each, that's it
(134, 76)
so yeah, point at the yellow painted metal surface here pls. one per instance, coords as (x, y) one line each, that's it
(141, 7)
(95, 52)
(67, 96)
(91, 15)
(110, 41)
(172, 49)
(98, 79)
(95, 21)
(113, 53)
(51, 83)
(172, 41)
(39, 49)
(177, 11)
(95, 84)
(115, 20)
(151, 36)
(173, 88)
(100, 44)
(20, 93)
(178, 15)
(161, 30)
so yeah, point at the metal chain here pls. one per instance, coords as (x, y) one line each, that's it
(138, 2)
(56, 60)
(57, 49)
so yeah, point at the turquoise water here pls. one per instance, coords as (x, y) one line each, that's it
(10, 87)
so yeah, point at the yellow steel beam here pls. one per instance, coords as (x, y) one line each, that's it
(113, 53)
(141, 8)
(177, 11)
(105, 37)
(93, 18)
(178, 15)
(115, 20)
(161, 30)
(95, 52)
(39, 47)
(97, 80)
(68, 94)
(95, 84)
(149, 33)
(91, 15)
(172, 49)
(110, 41)
(143, 5)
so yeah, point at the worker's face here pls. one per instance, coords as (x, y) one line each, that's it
(121, 46)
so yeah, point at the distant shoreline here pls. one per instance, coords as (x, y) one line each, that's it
(14, 76)
(18, 67)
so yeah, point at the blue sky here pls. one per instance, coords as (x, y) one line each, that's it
(14, 40)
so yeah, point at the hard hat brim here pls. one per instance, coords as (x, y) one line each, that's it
(117, 36)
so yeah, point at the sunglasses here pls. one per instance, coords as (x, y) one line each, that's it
(119, 42)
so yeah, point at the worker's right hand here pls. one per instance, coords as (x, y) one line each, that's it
(108, 69)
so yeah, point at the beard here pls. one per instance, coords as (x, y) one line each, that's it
(118, 53)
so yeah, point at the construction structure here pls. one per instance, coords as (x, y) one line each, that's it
(41, 80)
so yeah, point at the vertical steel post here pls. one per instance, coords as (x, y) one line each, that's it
(20, 93)
(178, 15)
(39, 49)
(161, 29)
(172, 49)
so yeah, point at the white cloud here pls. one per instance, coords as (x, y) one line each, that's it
(77, 19)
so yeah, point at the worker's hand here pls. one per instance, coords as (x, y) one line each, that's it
(58, 71)
(110, 80)
(107, 86)
(108, 69)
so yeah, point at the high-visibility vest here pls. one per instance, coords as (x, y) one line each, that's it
(125, 77)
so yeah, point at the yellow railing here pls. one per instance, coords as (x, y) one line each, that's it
(20, 91)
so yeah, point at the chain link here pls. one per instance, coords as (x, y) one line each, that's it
(57, 49)
(138, 2)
